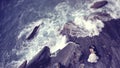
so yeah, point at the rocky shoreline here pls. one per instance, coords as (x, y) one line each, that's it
(76, 53)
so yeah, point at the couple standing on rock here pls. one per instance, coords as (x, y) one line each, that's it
(93, 58)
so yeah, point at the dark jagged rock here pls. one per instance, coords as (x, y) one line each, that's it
(23, 65)
(67, 57)
(99, 4)
(107, 45)
(33, 33)
(112, 28)
(41, 59)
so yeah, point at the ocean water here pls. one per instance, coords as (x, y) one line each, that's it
(19, 17)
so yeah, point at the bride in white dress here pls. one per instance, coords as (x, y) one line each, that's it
(93, 58)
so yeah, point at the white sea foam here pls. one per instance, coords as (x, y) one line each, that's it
(88, 27)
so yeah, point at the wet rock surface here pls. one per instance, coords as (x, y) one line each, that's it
(41, 60)
(103, 16)
(76, 53)
(34, 32)
(67, 57)
(99, 4)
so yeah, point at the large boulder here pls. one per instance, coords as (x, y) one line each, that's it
(68, 56)
(70, 28)
(99, 4)
(41, 59)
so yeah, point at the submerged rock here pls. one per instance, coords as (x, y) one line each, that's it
(34, 32)
(100, 16)
(99, 4)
